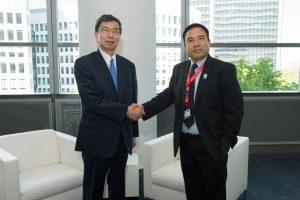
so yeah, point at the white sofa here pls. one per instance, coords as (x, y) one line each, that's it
(43, 165)
(163, 179)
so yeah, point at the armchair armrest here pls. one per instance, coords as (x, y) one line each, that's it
(9, 176)
(157, 152)
(68, 155)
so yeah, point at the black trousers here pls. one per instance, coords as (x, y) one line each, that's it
(204, 177)
(96, 169)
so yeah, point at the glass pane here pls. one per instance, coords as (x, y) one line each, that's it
(37, 21)
(166, 58)
(21, 20)
(67, 21)
(67, 57)
(24, 70)
(257, 21)
(67, 33)
(168, 21)
(264, 69)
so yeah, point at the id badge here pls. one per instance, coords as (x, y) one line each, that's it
(187, 113)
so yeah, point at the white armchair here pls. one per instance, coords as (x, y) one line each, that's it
(163, 179)
(39, 165)
(44, 165)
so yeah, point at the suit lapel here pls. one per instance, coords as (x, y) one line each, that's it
(203, 77)
(182, 82)
(121, 74)
(105, 73)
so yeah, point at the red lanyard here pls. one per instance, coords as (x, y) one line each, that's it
(189, 81)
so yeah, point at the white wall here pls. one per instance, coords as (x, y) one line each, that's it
(137, 44)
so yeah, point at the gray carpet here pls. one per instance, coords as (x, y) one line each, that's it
(274, 176)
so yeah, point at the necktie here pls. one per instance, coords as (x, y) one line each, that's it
(190, 120)
(113, 73)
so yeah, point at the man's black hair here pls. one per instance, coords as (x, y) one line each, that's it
(107, 18)
(194, 25)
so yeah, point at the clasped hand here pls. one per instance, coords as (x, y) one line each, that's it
(135, 111)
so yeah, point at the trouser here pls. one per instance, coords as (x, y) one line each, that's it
(96, 169)
(204, 177)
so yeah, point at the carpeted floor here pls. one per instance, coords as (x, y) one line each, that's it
(274, 176)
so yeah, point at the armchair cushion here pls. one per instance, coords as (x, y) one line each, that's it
(45, 181)
(164, 176)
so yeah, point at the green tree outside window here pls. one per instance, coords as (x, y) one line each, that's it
(262, 76)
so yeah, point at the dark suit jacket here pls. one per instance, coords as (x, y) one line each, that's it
(103, 109)
(218, 107)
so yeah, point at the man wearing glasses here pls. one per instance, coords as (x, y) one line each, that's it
(107, 86)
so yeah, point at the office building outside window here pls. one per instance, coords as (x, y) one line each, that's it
(258, 36)
(27, 23)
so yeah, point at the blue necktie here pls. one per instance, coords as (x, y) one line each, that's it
(113, 73)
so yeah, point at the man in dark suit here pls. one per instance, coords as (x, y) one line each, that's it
(107, 86)
(208, 113)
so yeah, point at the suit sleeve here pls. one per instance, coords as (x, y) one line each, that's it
(93, 101)
(161, 101)
(135, 127)
(233, 104)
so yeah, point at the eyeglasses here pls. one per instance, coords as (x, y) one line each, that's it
(106, 31)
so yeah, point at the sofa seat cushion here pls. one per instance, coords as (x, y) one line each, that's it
(169, 176)
(49, 180)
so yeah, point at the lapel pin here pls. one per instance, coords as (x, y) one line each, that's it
(204, 76)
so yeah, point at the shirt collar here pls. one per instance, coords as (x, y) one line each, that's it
(107, 57)
(199, 63)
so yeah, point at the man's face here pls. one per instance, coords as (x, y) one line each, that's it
(108, 36)
(196, 44)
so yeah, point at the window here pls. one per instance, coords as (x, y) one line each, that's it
(2, 35)
(13, 84)
(166, 41)
(10, 34)
(265, 66)
(3, 68)
(21, 68)
(19, 35)
(22, 83)
(9, 18)
(28, 64)
(12, 67)
(1, 18)
(19, 18)
(267, 27)
(4, 84)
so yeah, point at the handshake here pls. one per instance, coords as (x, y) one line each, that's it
(135, 111)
